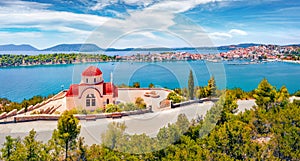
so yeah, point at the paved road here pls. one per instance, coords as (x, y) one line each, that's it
(148, 123)
(245, 104)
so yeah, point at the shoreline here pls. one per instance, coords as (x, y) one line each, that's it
(137, 61)
(55, 64)
(251, 55)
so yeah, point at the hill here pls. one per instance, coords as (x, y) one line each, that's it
(74, 47)
(12, 47)
(232, 47)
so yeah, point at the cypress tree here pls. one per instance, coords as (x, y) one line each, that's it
(191, 85)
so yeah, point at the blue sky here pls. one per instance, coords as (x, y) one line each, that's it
(149, 23)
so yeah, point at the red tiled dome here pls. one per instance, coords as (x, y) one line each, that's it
(91, 71)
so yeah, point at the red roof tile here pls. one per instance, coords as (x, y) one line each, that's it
(73, 90)
(107, 88)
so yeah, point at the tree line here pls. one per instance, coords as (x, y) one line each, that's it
(7, 60)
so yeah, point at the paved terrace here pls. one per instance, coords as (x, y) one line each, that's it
(130, 94)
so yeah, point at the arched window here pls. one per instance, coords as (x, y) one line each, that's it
(90, 100)
(107, 101)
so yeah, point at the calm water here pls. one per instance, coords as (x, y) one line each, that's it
(112, 53)
(24, 82)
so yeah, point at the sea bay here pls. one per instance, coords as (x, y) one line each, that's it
(18, 83)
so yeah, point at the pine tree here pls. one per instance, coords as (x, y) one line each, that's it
(211, 87)
(136, 84)
(32, 146)
(54, 144)
(191, 85)
(19, 152)
(229, 107)
(8, 147)
(68, 131)
(182, 123)
(282, 95)
(151, 85)
(114, 132)
(81, 150)
(265, 94)
(202, 92)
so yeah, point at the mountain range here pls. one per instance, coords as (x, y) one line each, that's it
(75, 47)
(95, 48)
(12, 47)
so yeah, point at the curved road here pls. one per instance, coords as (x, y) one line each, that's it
(149, 123)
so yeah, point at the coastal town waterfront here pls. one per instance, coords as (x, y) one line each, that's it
(253, 54)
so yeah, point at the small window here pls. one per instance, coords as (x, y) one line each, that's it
(94, 80)
(88, 103)
(87, 80)
(93, 102)
(107, 101)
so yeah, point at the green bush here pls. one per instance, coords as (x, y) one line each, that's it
(112, 108)
(174, 97)
(297, 93)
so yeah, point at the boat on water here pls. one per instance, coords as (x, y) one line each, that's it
(213, 60)
(243, 62)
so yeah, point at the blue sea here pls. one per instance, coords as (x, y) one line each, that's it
(18, 83)
(112, 53)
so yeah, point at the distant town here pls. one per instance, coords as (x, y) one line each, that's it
(251, 54)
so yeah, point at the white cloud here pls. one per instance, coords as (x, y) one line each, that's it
(102, 3)
(138, 28)
(49, 17)
(220, 35)
(160, 17)
(238, 32)
(178, 6)
(148, 35)
(24, 5)
(22, 15)
(227, 35)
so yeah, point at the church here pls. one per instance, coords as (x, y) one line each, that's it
(92, 92)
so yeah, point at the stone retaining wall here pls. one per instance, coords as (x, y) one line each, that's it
(37, 117)
(163, 89)
(3, 115)
(175, 105)
(14, 112)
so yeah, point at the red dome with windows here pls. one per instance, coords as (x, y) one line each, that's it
(91, 71)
